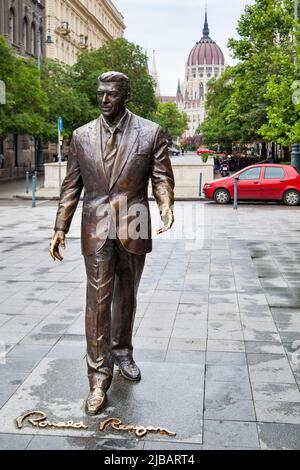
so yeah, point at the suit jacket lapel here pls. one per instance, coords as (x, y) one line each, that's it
(128, 141)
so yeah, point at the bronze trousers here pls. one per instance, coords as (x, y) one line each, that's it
(113, 277)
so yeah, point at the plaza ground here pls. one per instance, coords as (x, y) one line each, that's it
(217, 333)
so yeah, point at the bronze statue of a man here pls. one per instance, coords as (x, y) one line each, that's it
(113, 158)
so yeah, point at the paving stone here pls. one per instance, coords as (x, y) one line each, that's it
(194, 310)
(278, 412)
(40, 339)
(269, 368)
(13, 442)
(275, 392)
(187, 344)
(153, 332)
(143, 342)
(186, 357)
(227, 373)
(279, 436)
(165, 446)
(225, 345)
(230, 330)
(77, 443)
(219, 358)
(164, 386)
(262, 347)
(168, 297)
(229, 409)
(230, 434)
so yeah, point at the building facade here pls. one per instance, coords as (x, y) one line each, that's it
(205, 61)
(80, 25)
(58, 29)
(22, 23)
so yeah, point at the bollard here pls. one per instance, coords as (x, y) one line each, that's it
(200, 185)
(235, 205)
(27, 182)
(33, 190)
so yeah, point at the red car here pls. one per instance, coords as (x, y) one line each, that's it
(205, 152)
(264, 182)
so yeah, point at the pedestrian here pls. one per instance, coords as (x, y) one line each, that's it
(1, 160)
(113, 158)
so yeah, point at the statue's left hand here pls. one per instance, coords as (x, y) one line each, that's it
(167, 218)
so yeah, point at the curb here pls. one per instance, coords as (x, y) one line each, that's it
(56, 198)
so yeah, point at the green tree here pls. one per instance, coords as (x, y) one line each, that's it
(257, 100)
(59, 83)
(221, 124)
(262, 90)
(26, 103)
(173, 122)
(122, 56)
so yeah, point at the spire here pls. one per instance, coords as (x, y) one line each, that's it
(155, 76)
(147, 60)
(179, 96)
(178, 88)
(206, 28)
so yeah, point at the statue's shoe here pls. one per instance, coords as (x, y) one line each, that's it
(128, 368)
(95, 401)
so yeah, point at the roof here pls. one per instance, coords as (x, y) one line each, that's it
(206, 51)
(168, 99)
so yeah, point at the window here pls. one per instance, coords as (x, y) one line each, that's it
(25, 34)
(33, 39)
(274, 173)
(12, 26)
(252, 174)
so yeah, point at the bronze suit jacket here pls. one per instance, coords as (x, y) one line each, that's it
(142, 155)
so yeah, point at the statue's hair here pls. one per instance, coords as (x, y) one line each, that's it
(117, 77)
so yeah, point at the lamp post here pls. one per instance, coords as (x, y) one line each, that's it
(295, 155)
(39, 153)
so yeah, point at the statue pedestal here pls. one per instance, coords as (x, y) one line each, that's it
(52, 174)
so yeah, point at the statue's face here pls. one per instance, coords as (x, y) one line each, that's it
(111, 99)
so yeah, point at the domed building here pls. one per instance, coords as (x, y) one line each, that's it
(205, 61)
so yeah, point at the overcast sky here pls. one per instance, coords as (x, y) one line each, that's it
(172, 27)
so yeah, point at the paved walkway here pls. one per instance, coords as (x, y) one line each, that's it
(217, 334)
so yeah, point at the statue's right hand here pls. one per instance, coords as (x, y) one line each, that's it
(58, 239)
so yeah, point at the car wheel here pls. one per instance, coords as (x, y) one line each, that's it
(222, 196)
(291, 198)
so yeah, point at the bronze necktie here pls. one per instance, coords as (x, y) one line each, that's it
(110, 153)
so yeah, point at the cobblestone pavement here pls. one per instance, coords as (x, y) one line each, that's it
(217, 333)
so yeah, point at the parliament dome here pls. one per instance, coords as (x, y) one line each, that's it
(206, 51)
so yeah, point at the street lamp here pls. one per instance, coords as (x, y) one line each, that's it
(49, 38)
(295, 155)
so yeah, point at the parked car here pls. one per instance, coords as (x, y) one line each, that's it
(267, 182)
(173, 151)
(202, 151)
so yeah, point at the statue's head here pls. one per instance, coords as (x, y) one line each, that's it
(113, 94)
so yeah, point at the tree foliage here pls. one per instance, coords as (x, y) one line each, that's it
(172, 121)
(26, 102)
(122, 56)
(257, 101)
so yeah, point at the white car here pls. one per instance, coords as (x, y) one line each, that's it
(173, 151)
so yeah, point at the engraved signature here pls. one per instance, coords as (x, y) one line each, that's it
(42, 422)
(140, 431)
